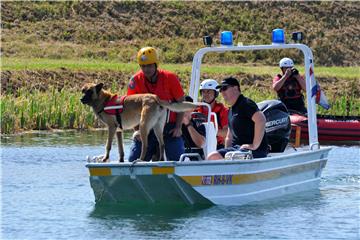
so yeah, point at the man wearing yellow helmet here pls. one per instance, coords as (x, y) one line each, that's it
(166, 85)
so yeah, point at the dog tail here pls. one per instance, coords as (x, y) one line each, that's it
(178, 106)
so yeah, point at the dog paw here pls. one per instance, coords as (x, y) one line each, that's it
(95, 159)
(100, 159)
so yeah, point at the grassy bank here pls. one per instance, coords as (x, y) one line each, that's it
(48, 96)
(115, 30)
(53, 109)
(99, 65)
(38, 110)
(49, 49)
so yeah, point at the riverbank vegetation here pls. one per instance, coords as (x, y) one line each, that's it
(116, 30)
(50, 49)
(53, 109)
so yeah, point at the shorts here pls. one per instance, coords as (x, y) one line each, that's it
(255, 153)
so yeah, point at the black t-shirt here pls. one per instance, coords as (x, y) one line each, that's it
(199, 127)
(241, 125)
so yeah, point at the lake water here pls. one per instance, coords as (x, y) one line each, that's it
(46, 194)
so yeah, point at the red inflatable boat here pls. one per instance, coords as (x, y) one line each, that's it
(330, 128)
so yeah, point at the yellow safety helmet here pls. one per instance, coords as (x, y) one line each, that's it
(147, 55)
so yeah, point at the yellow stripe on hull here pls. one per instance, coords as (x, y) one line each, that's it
(100, 171)
(231, 179)
(162, 170)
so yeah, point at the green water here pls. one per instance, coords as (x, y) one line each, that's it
(46, 194)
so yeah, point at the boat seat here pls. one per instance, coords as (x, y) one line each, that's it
(210, 129)
(211, 141)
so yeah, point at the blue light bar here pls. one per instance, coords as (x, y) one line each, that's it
(226, 38)
(278, 36)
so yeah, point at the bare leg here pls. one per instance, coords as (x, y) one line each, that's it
(215, 156)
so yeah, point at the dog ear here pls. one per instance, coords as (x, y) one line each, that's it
(99, 87)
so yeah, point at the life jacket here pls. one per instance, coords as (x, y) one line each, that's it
(114, 105)
(290, 90)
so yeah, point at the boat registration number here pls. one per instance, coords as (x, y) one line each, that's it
(217, 180)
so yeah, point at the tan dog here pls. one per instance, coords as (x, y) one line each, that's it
(144, 110)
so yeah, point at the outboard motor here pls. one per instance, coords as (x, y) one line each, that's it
(278, 126)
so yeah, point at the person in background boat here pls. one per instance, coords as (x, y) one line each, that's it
(246, 123)
(193, 132)
(289, 86)
(166, 85)
(209, 94)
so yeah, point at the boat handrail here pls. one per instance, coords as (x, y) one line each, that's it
(309, 77)
(314, 146)
(210, 129)
(215, 121)
(184, 155)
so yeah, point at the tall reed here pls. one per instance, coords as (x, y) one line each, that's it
(36, 110)
(32, 109)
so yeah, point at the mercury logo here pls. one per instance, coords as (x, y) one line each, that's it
(277, 122)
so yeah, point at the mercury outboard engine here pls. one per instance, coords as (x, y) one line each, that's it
(278, 126)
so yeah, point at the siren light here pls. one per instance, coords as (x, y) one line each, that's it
(278, 36)
(226, 38)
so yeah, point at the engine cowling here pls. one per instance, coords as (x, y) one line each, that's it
(278, 126)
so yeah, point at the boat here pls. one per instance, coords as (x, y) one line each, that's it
(238, 180)
(330, 128)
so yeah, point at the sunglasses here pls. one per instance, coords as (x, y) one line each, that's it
(224, 88)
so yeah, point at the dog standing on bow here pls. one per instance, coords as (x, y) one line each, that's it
(144, 110)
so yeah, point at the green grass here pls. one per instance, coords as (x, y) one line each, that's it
(31, 109)
(72, 64)
(36, 110)
(115, 30)
(99, 65)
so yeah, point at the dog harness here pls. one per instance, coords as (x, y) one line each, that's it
(115, 106)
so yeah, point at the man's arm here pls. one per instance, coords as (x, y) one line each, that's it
(224, 113)
(197, 138)
(301, 81)
(259, 129)
(228, 139)
(278, 84)
(223, 132)
(132, 87)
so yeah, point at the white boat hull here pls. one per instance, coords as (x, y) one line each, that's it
(226, 182)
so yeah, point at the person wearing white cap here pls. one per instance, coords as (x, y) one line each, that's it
(289, 86)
